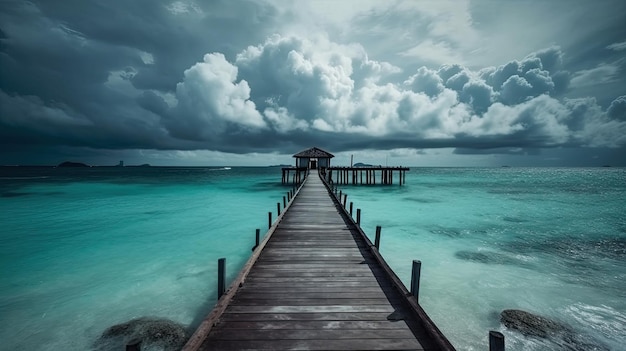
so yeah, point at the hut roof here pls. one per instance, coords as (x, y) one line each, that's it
(314, 153)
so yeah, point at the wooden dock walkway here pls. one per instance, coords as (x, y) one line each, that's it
(315, 283)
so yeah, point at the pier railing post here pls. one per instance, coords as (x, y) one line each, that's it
(133, 345)
(221, 277)
(345, 199)
(278, 209)
(415, 279)
(340, 195)
(377, 238)
(269, 220)
(496, 341)
(284, 202)
(351, 208)
(358, 216)
(258, 239)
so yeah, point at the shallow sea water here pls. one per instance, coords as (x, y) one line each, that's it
(83, 249)
(547, 241)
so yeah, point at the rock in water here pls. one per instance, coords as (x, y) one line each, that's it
(530, 324)
(153, 333)
(560, 334)
(72, 164)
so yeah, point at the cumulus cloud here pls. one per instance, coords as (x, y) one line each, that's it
(513, 104)
(210, 99)
(425, 81)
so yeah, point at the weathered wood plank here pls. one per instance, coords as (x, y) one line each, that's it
(254, 294)
(309, 334)
(312, 324)
(324, 344)
(313, 316)
(309, 309)
(299, 301)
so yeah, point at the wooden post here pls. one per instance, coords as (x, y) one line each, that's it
(358, 216)
(340, 195)
(258, 239)
(377, 239)
(221, 277)
(415, 279)
(269, 220)
(278, 209)
(350, 208)
(496, 341)
(345, 200)
(284, 202)
(134, 345)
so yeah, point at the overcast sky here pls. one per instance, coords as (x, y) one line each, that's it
(226, 82)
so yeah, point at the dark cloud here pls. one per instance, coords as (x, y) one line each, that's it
(166, 75)
(617, 110)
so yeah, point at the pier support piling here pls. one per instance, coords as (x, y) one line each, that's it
(133, 345)
(269, 220)
(496, 341)
(258, 239)
(358, 217)
(221, 277)
(377, 238)
(415, 279)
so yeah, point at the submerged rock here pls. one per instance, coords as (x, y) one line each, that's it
(558, 333)
(153, 334)
(489, 257)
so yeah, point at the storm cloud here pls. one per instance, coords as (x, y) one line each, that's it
(228, 76)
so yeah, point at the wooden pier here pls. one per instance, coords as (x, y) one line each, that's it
(294, 175)
(365, 175)
(316, 282)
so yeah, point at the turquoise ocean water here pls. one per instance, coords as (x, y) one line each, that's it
(83, 249)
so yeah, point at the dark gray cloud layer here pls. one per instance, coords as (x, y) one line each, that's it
(213, 76)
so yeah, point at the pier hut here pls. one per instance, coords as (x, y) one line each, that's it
(316, 158)
(313, 158)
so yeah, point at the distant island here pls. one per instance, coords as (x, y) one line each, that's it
(359, 164)
(72, 164)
